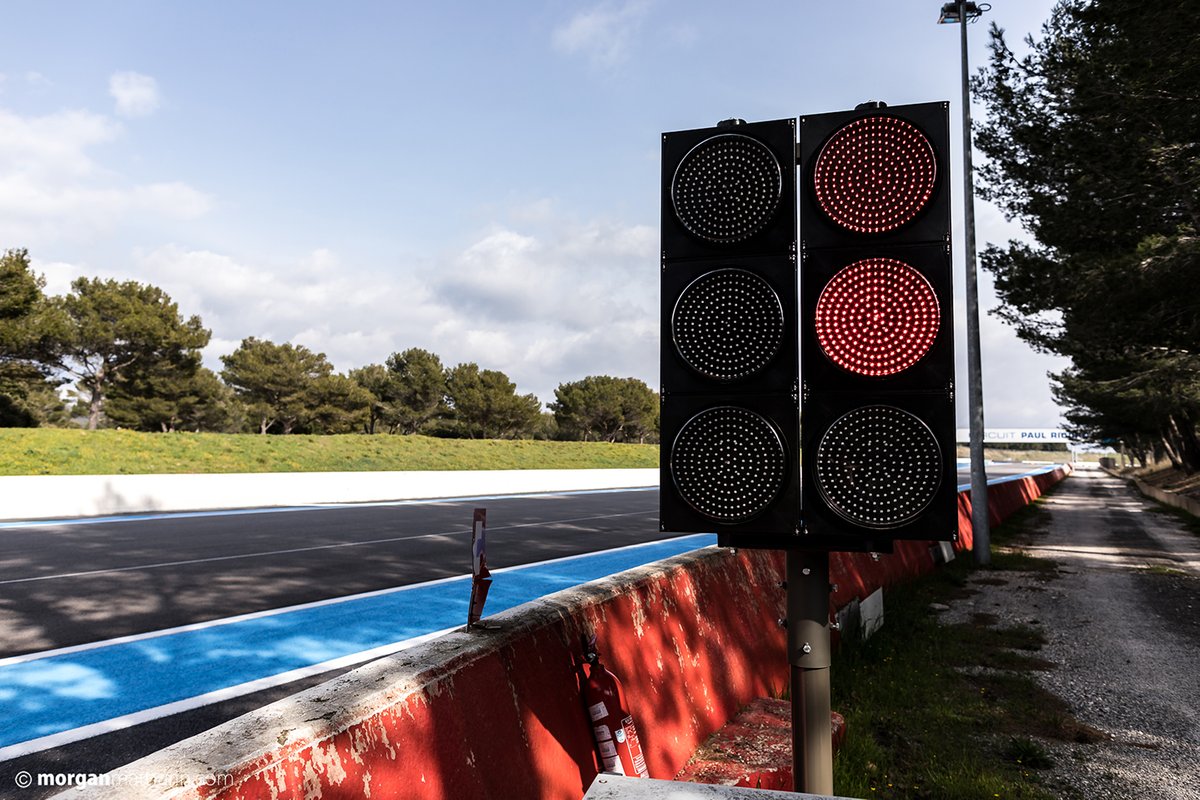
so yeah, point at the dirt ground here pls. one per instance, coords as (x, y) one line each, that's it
(1122, 623)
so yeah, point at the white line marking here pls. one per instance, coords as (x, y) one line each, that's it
(233, 512)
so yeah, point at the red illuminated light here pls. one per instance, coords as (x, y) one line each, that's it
(877, 317)
(875, 174)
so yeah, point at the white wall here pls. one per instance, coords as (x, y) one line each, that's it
(55, 496)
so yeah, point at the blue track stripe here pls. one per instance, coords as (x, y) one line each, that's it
(61, 692)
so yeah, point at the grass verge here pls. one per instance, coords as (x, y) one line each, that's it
(51, 451)
(947, 712)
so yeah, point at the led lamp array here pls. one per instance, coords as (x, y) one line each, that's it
(727, 324)
(726, 189)
(878, 466)
(728, 463)
(875, 174)
(877, 317)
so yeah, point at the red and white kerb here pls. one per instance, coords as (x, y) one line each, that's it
(875, 174)
(877, 317)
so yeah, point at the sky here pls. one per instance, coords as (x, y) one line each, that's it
(480, 180)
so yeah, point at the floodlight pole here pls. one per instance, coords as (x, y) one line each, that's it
(961, 12)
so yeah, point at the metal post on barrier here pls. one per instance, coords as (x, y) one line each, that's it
(809, 652)
(481, 579)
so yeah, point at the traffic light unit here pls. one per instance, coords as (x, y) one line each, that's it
(877, 343)
(729, 354)
(861, 343)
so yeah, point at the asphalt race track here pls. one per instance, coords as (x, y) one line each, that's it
(77, 581)
(74, 582)
(71, 583)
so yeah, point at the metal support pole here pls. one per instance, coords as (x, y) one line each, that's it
(809, 654)
(980, 526)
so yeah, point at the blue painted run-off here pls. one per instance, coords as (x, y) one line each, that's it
(56, 693)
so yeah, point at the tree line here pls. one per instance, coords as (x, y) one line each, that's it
(132, 360)
(1091, 144)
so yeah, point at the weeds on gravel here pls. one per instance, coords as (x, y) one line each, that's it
(1022, 528)
(1017, 561)
(946, 712)
(1026, 752)
(925, 702)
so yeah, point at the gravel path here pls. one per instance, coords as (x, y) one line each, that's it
(1123, 627)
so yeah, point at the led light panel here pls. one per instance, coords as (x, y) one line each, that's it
(728, 463)
(727, 324)
(877, 317)
(726, 189)
(875, 174)
(878, 466)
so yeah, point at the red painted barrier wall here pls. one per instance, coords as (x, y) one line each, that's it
(857, 574)
(498, 714)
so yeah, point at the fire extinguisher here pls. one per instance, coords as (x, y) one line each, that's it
(612, 725)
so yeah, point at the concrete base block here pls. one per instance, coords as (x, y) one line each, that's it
(754, 749)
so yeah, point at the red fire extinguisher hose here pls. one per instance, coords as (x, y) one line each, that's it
(616, 736)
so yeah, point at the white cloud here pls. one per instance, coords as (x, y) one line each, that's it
(53, 145)
(568, 300)
(544, 306)
(51, 189)
(58, 274)
(32, 80)
(355, 316)
(173, 199)
(45, 212)
(1016, 391)
(603, 34)
(136, 94)
(1015, 387)
(572, 275)
(37, 80)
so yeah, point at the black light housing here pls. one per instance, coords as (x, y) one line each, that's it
(729, 354)
(876, 326)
